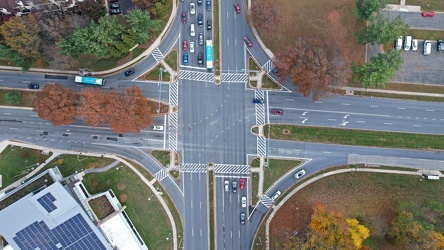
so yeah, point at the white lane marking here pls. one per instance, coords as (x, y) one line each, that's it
(7, 113)
(304, 113)
(388, 123)
(318, 102)
(331, 119)
(416, 125)
(339, 112)
(289, 100)
(346, 104)
(326, 152)
(345, 117)
(191, 204)
(373, 106)
(361, 121)
(430, 110)
(402, 108)
(304, 120)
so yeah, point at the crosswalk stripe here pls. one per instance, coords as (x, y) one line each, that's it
(196, 76)
(193, 168)
(162, 174)
(231, 169)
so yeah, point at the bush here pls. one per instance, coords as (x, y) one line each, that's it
(13, 97)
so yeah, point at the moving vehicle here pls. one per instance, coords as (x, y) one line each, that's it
(414, 44)
(192, 30)
(247, 41)
(428, 14)
(398, 45)
(192, 9)
(33, 86)
(242, 218)
(191, 47)
(201, 39)
(130, 72)
(184, 45)
(244, 201)
(200, 59)
(199, 2)
(114, 6)
(208, 4)
(209, 24)
(258, 101)
(185, 59)
(440, 45)
(427, 48)
(234, 186)
(237, 7)
(275, 195)
(200, 20)
(184, 17)
(227, 185)
(407, 43)
(115, 11)
(277, 111)
(242, 183)
(209, 54)
(90, 80)
(299, 174)
(158, 127)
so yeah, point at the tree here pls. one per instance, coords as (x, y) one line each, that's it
(142, 25)
(13, 97)
(264, 14)
(21, 34)
(92, 9)
(366, 8)
(97, 105)
(358, 232)
(381, 30)
(56, 104)
(381, 69)
(314, 66)
(16, 58)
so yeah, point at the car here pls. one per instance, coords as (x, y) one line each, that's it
(299, 174)
(209, 26)
(242, 184)
(115, 11)
(275, 195)
(192, 9)
(247, 41)
(191, 47)
(277, 71)
(427, 47)
(184, 17)
(407, 43)
(244, 201)
(199, 2)
(158, 127)
(398, 44)
(200, 20)
(33, 86)
(184, 45)
(185, 59)
(200, 59)
(237, 7)
(114, 6)
(234, 186)
(208, 5)
(242, 218)
(277, 112)
(258, 101)
(227, 185)
(192, 30)
(201, 39)
(113, 1)
(130, 72)
(414, 44)
(440, 45)
(428, 13)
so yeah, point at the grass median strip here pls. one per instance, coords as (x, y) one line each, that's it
(399, 96)
(356, 137)
(211, 199)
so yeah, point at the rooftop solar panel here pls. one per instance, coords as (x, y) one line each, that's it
(47, 202)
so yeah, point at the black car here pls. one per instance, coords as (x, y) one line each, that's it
(208, 3)
(440, 45)
(209, 26)
(130, 72)
(114, 6)
(200, 59)
(201, 42)
(199, 2)
(258, 101)
(199, 20)
(242, 218)
(33, 86)
(115, 11)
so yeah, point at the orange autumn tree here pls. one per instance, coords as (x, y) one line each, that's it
(97, 106)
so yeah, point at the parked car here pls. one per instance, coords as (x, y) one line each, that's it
(115, 11)
(209, 24)
(184, 45)
(33, 86)
(407, 43)
(258, 101)
(440, 45)
(277, 112)
(184, 17)
(201, 39)
(398, 44)
(114, 6)
(244, 201)
(242, 183)
(113, 1)
(275, 195)
(208, 5)
(247, 41)
(428, 14)
(427, 48)
(299, 174)
(237, 7)
(191, 47)
(130, 72)
(192, 9)
(200, 59)
(234, 186)
(200, 20)
(185, 59)
(226, 185)
(242, 218)
(415, 44)
(158, 127)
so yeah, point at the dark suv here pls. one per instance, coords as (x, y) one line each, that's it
(209, 24)
(258, 101)
(200, 59)
(199, 20)
(440, 45)
(208, 4)
(33, 86)
(130, 72)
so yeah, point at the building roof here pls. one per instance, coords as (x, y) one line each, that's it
(50, 219)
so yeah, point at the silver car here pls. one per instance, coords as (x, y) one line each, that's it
(201, 40)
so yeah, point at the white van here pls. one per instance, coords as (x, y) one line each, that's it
(407, 43)
(192, 30)
(427, 47)
(399, 43)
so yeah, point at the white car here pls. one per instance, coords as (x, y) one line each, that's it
(244, 201)
(299, 174)
(158, 127)
(192, 9)
(227, 185)
(399, 43)
(275, 196)
(415, 44)
(192, 30)
(191, 47)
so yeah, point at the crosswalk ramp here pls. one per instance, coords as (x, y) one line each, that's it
(234, 77)
(261, 146)
(157, 54)
(266, 201)
(193, 168)
(196, 76)
(231, 169)
(162, 174)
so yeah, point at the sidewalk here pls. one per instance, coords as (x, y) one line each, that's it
(351, 90)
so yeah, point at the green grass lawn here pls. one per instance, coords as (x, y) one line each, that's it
(254, 188)
(154, 74)
(27, 97)
(434, 5)
(426, 34)
(436, 89)
(69, 164)
(255, 163)
(211, 201)
(276, 169)
(267, 83)
(148, 216)
(356, 137)
(403, 97)
(216, 56)
(137, 52)
(162, 156)
(171, 59)
(16, 162)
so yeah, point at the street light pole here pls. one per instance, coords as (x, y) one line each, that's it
(160, 84)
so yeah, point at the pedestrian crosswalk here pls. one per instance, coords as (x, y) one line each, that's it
(261, 146)
(266, 201)
(174, 94)
(162, 174)
(193, 168)
(234, 77)
(157, 54)
(268, 66)
(196, 76)
(173, 129)
(231, 169)
(260, 108)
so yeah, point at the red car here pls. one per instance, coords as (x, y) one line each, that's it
(428, 13)
(184, 17)
(247, 41)
(185, 45)
(277, 111)
(242, 184)
(237, 7)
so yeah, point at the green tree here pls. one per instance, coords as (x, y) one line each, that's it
(365, 8)
(381, 30)
(16, 58)
(381, 69)
(13, 97)
(21, 34)
(142, 25)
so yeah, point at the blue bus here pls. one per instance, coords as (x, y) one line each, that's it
(209, 54)
(90, 80)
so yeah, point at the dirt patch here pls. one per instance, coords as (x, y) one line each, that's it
(123, 198)
(286, 132)
(121, 186)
